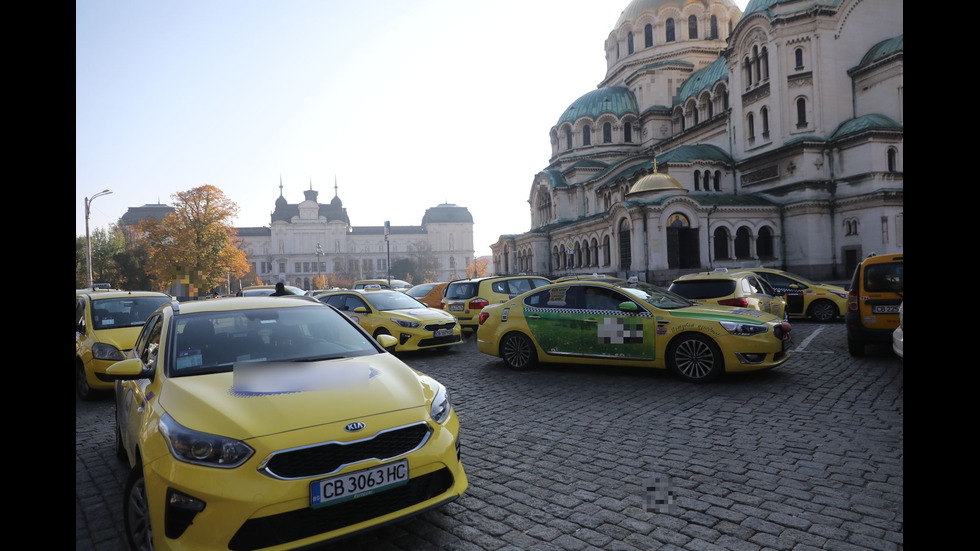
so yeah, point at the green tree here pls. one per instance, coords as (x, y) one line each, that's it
(195, 246)
(403, 268)
(106, 244)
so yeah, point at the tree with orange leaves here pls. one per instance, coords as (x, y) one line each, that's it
(195, 245)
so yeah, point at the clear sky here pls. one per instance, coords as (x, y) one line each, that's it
(404, 104)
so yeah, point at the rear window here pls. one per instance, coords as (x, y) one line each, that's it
(885, 277)
(705, 288)
(461, 290)
(124, 312)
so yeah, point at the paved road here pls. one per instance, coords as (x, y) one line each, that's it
(807, 456)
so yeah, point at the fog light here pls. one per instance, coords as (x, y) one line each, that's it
(404, 337)
(746, 358)
(180, 513)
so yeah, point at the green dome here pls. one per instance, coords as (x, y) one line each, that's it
(617, 100)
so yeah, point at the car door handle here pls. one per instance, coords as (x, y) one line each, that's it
(534, 317)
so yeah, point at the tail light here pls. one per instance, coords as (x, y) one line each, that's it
(483, 317)
(740, 302)
(478, 303)
(852, 300)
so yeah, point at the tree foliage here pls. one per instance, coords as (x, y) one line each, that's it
(194, 245)
(478, 267)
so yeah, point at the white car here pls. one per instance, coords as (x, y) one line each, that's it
(897, 335)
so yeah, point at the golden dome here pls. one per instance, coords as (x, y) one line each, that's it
(656, 182)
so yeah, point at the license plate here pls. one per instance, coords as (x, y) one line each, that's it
(886, 309)
(344, 487)
(443, 332)
(455, 307)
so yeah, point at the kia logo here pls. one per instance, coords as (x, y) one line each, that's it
(354, 427)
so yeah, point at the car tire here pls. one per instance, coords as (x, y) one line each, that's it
(82, 388)
(517, 351)
(823, 311)
(695, 358)
(136, 511)
(855, 348)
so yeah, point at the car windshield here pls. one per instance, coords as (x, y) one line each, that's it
(393, 301)
(124, 312)
(657, 296)
(215, 341)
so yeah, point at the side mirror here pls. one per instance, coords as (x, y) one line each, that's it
(129, 369)
(360, 310)
(628, 306)
(387, 342)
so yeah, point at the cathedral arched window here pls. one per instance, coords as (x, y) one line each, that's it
(714, 27)
(717, 180)
(798, 56)
(801, 113)
(629, 43)
(568, 138)
(606, 133)
(692, 27)
(669, 26)
(586, 135)
(751, 126)
(628, 133)
(743, 238)
(764, 243)
(764, 113)
(647, 35)
(697, 180)
(892, 159)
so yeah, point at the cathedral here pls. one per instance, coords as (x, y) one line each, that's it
(718, 138)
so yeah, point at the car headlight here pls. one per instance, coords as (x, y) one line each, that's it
(201, 448)
(103, 351)
(406, 324)
(440, 408)
(841, 294)
(744, 329)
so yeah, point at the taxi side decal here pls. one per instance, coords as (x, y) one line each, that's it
(620, 331)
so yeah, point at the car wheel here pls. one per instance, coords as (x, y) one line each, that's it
(136, 511)
(855, 348)
(823, 311)
(518, 352)
(695, 358)
(84, 391)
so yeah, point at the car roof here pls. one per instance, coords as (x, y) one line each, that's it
(99, 295)
(227, 304)
(714, 274)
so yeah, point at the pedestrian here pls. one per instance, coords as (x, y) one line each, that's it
(280, 290)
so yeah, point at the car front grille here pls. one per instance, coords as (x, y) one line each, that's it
(438, 326)
(283, 528)
(330, 457)
(436, 341)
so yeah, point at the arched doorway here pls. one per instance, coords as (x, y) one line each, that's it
(683, 245)
(625, 248)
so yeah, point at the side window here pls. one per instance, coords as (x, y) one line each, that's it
(356, 302)
(337, 301)
(80, 315)
(148, 343)
(499, 287)
(535, 283)
(518, 286)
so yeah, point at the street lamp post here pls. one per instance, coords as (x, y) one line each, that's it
(319, 253)
(88, 240)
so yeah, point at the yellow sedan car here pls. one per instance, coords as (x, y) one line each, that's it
(390, 312)
(636, 325)
(262, 423)
(804, 298)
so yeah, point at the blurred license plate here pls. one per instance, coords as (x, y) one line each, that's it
(887, 309)
(344, 487)
(455, 307)
(443, 332)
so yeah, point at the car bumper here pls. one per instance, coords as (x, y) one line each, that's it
(898, 345)
(246, 509)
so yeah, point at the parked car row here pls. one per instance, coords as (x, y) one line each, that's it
(266, 422)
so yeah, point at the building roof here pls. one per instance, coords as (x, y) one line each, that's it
(616, 100)
(884, 49)
(447, 213)
(134, 215)
(636, 8)
(873, 121)
(703, 79)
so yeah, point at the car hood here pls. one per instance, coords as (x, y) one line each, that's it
(423, 314)
(719, 312)
(122, 338)
(262, 398)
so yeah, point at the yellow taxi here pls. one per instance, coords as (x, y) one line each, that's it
(106, 325)
(742, 289)
(804, 298)
(262, 423)
(874, 301)
(390, 312)
(464, 298)
(589, 322)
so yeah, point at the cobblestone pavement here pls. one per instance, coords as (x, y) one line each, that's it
(806, 456)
